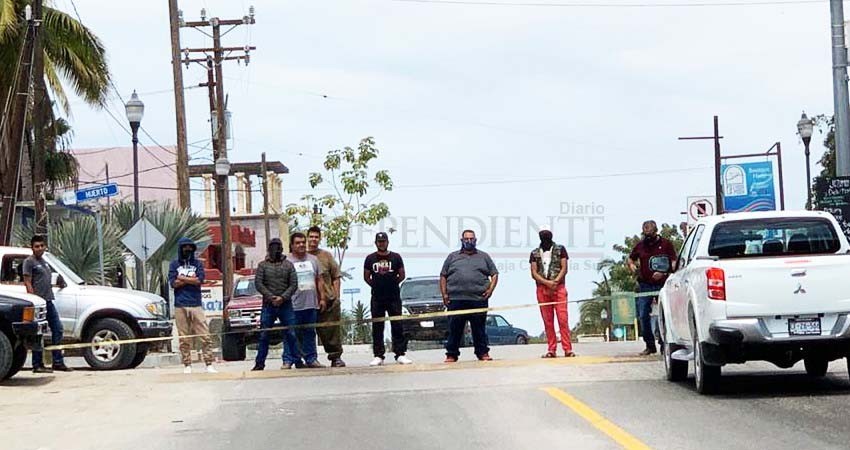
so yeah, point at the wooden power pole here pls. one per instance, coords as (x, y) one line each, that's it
(214, 57)
(176, 18)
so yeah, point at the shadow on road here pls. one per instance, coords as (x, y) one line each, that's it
(772, 384)
(29, 381)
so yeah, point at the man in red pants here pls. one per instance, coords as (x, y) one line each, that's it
(549, 269)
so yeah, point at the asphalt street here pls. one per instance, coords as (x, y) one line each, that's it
(606, 398)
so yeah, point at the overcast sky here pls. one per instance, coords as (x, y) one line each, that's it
(516, 109)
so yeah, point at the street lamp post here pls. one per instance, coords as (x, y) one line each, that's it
(135, 110)
(805, 127)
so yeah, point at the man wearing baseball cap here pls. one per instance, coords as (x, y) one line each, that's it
(549, 270)
(384, 271)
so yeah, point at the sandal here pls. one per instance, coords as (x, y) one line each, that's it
(569, 355)
(550, 355)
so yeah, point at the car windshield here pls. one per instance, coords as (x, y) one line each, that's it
(245, 288)
(773, 237)
(63, 270)
(420, 289)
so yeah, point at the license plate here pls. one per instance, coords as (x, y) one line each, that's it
(428, 324)
(804, 327)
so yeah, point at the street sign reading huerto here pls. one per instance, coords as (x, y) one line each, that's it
(96, 192)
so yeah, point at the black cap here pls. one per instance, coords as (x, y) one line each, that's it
(381, 237)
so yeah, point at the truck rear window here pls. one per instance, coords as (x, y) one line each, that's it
(773, 237)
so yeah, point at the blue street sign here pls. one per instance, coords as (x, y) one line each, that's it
(748, 187)
(351, 291)
(96, 192)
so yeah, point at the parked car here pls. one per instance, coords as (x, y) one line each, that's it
(499, 332)
(757, 286)
(243, 315)
(95, 314)
(23, 322)
(421, 295)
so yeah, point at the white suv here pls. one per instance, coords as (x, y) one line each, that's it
(757, 286)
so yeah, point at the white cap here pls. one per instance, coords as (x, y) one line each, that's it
(544, 228)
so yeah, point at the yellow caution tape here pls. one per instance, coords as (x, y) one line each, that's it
(336, 323)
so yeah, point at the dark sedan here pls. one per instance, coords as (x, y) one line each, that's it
(500, 332)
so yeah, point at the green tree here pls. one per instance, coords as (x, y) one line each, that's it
(362, 331)
(353, 198)
(826, 127)
(617, 278)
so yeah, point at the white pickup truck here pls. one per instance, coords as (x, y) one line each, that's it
(95, 314)
(772, 286)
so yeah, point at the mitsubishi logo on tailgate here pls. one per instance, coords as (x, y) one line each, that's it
(799, 289)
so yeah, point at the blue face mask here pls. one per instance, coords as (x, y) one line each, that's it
(468, 244)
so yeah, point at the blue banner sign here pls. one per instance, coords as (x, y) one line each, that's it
(748, 187)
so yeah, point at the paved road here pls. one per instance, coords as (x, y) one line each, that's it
(604, 399)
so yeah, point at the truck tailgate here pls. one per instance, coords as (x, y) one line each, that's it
(783, 286)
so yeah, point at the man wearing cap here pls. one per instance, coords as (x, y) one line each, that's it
(383, 270)
(467, 281)
(549, 270)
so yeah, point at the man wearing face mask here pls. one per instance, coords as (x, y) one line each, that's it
(467, 281)
(186, 275)
(276, 281)
(657, 259)
(549, 270)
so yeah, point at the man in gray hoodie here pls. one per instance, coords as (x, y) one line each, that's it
(276, 280)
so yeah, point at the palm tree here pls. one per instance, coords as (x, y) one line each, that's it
(72, 54)
(362, 329)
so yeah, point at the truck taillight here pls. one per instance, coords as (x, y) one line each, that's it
(716, 283)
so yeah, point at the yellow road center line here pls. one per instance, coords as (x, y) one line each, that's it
(602, 424)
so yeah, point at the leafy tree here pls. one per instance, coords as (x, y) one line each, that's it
(826, 127)
(617, 278)
(353, 198)
(362, 331)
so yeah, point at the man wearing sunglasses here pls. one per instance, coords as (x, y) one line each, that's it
(467, 281)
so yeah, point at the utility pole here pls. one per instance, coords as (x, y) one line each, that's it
(12, 126)
(265, 170)
(839, 90)
(39, 117)
(215, 83)
(176, 18)
(718, 185)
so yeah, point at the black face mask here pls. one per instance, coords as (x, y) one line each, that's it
(545, 241)
(276, 252)
(187, 253)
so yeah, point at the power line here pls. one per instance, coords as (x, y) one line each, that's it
(619, 5)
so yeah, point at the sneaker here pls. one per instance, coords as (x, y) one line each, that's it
(187, 369)
(42, 369)
(338, 363)
(286, 366)
(647, 352)
(450, 359)
(485, 357)
(257, 368)
(314, 365)
(378, 361)
(62, 368)
(211, 369)
(404, 360)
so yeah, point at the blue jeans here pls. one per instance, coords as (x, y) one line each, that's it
(305, 336)
(268, 317)
(477, 324)
(55, 324)
(644, 308)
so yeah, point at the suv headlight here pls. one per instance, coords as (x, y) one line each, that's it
(405, 311)
(234, 313)
(157, 309)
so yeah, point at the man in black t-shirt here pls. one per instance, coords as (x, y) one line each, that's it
(384, 271)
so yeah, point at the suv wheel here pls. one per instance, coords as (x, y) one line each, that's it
(106, 354)
(5, 356)
(19, 357)
(707, 377)
(521, 340)
(139, 358)
(675, 370)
